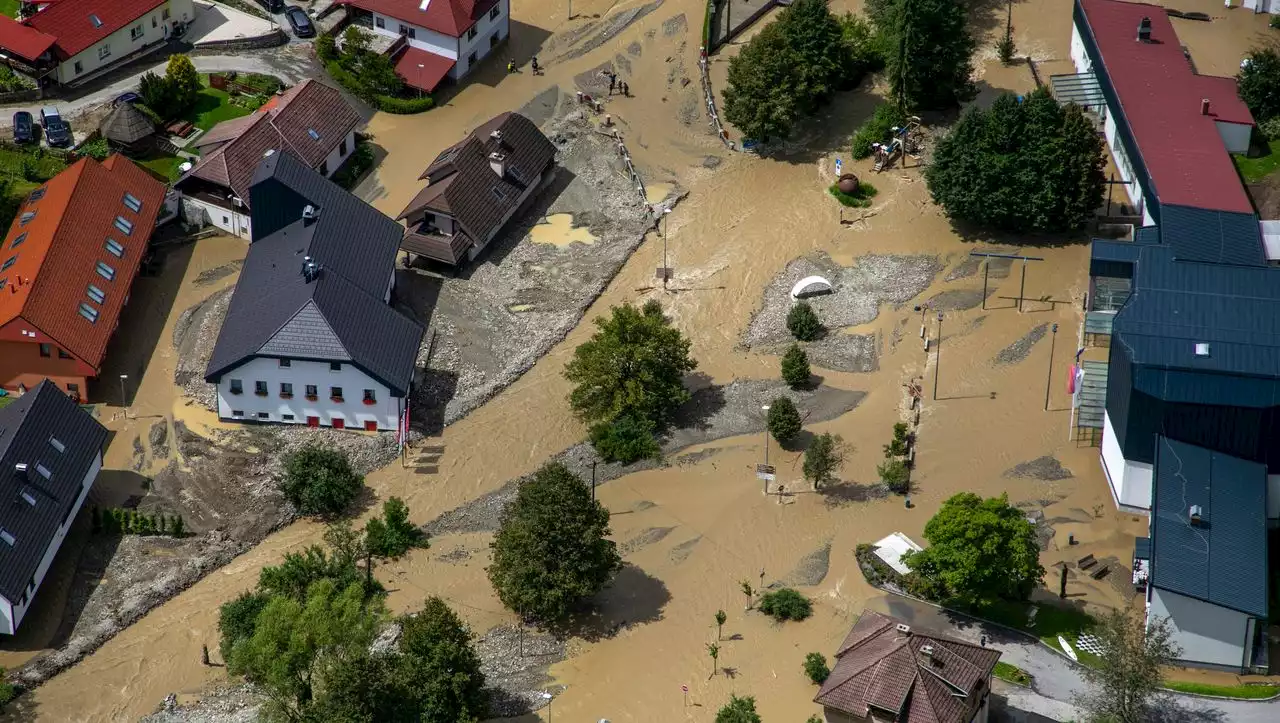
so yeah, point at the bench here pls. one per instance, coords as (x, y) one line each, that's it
(1100, 572)
(1087, 562)
(180, 129)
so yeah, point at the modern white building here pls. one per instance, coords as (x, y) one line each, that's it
(1263, 6)
(50, 455)
(311, 121)
(67, 43)
(442, 38)
(310, 336)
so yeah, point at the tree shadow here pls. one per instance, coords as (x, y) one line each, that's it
(633, 598)
(844, 494)
(798, 443)
(1004, 712)
(706, 400)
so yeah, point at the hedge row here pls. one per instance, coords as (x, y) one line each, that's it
(384, 103)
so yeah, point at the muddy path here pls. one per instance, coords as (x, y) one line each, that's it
(694, 528)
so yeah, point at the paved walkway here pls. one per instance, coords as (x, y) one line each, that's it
(1057, 681)
(217, 23)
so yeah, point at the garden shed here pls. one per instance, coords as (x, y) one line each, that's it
(128, 128)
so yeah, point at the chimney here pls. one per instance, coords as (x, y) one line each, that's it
(496, 135)
(1144, 30)
(1204, 106)
(21, 470)
(498, 162)
(1195, 513)
(904, 629)
(310, 213)
(927, 651)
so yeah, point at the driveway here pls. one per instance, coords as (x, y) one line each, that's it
(1057, 680)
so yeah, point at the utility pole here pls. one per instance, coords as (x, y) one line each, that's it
(666, 270)
(1048, 382)
(593, 481)
(124, 401)
(937, 364)
(765, 409)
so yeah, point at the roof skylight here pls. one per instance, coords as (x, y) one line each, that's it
(97, 23)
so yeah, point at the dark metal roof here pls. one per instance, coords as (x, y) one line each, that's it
(277, 311)
(1222, 560)
(1177, 304)
(1219, 237)
(26, 427)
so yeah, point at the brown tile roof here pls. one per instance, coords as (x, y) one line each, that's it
(879, 666)
(309, 120)
(462, 184)
(62, 244)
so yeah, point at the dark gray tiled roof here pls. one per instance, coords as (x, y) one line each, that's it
(26, 426)
(1218, 237)
(1224, 560)
(464, 185)
(337, 314)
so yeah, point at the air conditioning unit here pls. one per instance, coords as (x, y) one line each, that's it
(1196, 513)
(904, 629)
(926, 651)
(309, 212)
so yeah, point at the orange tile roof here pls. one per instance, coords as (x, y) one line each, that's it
(53, 257)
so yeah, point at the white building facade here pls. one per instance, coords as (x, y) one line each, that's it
(316, 393)
(12, 611)
(154, 27)
(468, 50)
(1208, 634)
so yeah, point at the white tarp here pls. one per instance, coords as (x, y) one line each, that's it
(1271, 239)
(810, 285)
(892, 548)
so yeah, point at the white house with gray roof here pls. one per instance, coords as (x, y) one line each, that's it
(310, 336)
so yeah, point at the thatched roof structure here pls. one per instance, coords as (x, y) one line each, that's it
(126, 125)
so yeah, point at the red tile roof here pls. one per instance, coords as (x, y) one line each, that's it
(1161, 96)
(55, 262)
(878, 665)
(451, 17)
(421, 69)
(23, 41)
(71, 23)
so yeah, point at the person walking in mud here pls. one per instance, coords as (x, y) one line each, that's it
(626, 90)
(511, 66)
(613, 82)
(536, 69)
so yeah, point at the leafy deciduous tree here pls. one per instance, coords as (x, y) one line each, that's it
(979, 550)
(713, 649)
(738, 710)
(625, 440)
(721, 617)
(1259, 83)
(552, 550)
(895, 475)
(238, 618)
(818, 39)
(929, 51)
(815, 667)
(184, 82)
(1032, 165)
(785, 604)
(320, 481)
(392, 535)
(762, 97)
(1127, 680)
(823, 459)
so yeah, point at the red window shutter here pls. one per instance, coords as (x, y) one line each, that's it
(313, 421)
(370, 425)
(339, 423)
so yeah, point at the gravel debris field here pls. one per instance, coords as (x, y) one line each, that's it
(1021, 349)
(1045, 468)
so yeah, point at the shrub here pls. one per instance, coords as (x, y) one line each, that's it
(897, 447)
(876, 129)
(404, 106)
(815, 666)
(785, 604)
(738, 710)
(795, 367)
(1275, 21)
(895, 475)
(11, 82)
(392, 535)
(326, 48)
(320, 481)
(1271, 126)
(784, 420)
(803, 322)
(359, 163)
(7, 691)
(238, 618)
(823, 458)
(860, 198)
(625, 440)
(97, 149)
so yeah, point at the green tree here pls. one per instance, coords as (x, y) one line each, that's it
(625, 439)
(895, 475)
(294, 643)
(761, 98)
(1023, 166)
(738, 710)
(320, 481)
(721, 617)
(356, 42)
(327, 47)
(866, 48)
(377, 75)
(823, 459)
(745, 587)
(795, 367)
(634, 364)
(179, 528)
(815, 667)
(979, 550)
(442, 665)
(785, 604)
(803, 322)
(1258, 83)
(157, 93)
(238, 618)
(1129, 674)
(897, 446)
(392, 535)
(783, 420)
(300, 570)
(877, 128)
(817, 38)
(929, 51)
(184, 82)
(713, 649)
(552, 550)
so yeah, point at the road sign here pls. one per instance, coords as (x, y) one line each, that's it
(684, 688)
(662, 274)
(766, 472)
(839, 167)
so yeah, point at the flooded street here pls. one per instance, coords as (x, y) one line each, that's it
(692, 530)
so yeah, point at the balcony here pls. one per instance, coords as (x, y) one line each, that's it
(429, 241)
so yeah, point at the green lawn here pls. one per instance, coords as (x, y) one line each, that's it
(213, 106)
(1051, 621)
(165, 167)
(1012, 674)
(9, 8)
(1255, 169)
(6, 401)
(1225, 691)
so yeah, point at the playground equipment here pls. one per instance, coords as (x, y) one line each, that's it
(903, 140)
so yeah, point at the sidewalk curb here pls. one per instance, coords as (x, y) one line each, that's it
(1059, 653)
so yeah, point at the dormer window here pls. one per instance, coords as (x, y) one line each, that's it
(9, 262)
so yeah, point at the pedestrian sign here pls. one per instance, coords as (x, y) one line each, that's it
(839, 167)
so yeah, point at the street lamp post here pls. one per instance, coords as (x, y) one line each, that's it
(547, 697)
(937, 364)
(666, 271)
(765, 409)
(1048, 382)
(124, 401)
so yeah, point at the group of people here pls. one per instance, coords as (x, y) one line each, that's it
(537, 70)
(615, 85)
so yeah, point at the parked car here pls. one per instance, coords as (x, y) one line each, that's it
(298, 20)
(56, 130)
(24, 130)
(129, 97)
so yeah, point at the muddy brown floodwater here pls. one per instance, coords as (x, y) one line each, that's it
(693, 530)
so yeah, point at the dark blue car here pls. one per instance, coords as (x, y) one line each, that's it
(24, 127)
(298, 20)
